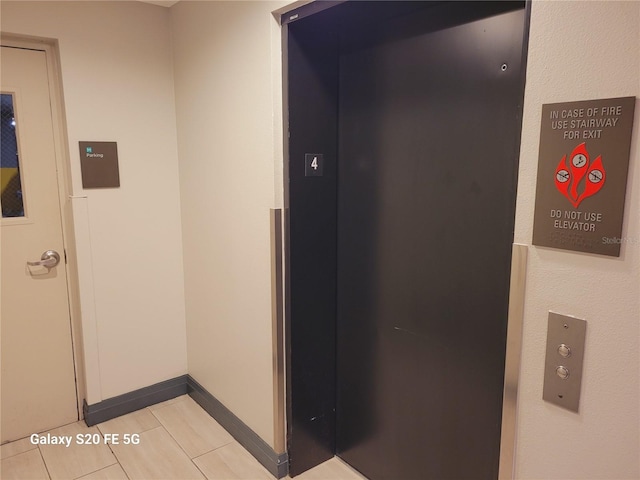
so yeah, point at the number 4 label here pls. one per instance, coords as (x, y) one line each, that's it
(313, 164)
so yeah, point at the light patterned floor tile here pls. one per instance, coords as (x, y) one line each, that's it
(167, 402)
(114, 472)
(24, 466)
(333, 469)
(135, 422)
(156, 457)
(192, 427)
(231, 462)
(14, 448)
(77, 459)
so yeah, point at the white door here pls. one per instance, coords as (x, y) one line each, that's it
(38, 377)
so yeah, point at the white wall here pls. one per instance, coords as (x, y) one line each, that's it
(581, 51)
(227, 77)
(118, 86)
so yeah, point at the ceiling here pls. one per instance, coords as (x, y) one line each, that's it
(162, 3)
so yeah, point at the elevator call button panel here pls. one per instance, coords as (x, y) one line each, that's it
(563, 365)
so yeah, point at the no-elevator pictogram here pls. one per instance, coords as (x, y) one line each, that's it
(581, 178)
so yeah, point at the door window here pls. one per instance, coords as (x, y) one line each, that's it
(10, 181)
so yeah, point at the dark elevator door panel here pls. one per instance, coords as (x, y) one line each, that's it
(312, 86)
(428, 146)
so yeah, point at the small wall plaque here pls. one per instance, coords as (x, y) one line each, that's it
(313, 164)
(99, 165)
(582, 175)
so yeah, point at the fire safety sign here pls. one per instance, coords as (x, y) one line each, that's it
(582, 175)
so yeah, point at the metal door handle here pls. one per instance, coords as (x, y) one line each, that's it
(49, 259)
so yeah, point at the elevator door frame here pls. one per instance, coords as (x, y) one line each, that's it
(313, 325)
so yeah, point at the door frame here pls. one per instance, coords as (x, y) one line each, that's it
(508, 438)
(63, 167)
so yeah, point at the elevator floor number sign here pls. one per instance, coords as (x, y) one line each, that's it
(313, 164)
(582, 175)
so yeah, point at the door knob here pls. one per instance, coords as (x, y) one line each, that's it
(49, 259)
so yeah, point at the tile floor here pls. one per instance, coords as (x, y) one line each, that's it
(178, 440)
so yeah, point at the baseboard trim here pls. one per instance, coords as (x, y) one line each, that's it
(277, 464)
(132, 401)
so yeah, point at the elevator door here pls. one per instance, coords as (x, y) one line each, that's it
(428, 144)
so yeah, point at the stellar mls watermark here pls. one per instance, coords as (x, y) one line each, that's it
(620, 240)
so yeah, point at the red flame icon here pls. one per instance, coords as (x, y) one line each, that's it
(569, 179)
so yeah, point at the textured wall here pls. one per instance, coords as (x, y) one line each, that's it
(227, 71)
(581, 51)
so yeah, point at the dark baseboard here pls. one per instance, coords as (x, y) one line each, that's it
(277, 464)
(132, 401)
